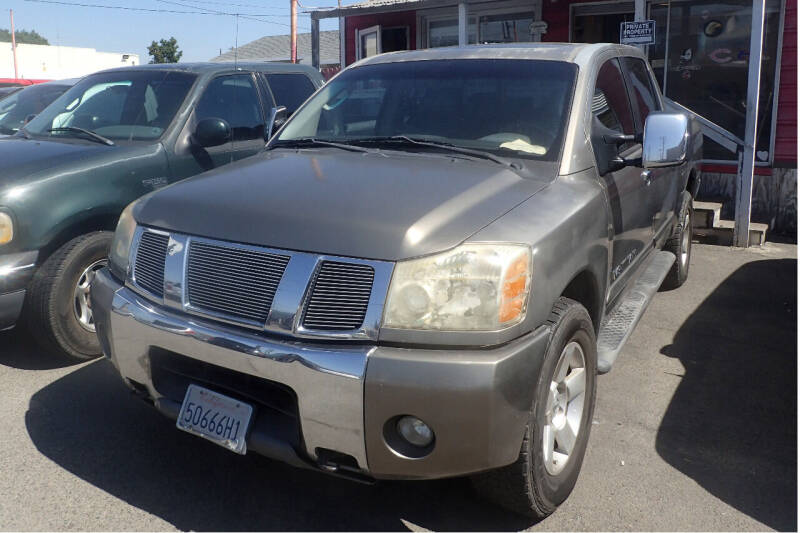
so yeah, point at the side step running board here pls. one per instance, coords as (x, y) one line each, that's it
(619, 324)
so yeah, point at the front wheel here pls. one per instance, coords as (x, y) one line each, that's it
(57, 308)
(559, 422)
(680, 244)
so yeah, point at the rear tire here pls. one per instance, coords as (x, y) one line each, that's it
(680, 244)
(55, 310)
(532, 486)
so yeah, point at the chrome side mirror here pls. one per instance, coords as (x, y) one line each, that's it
(277, 117)
(666, 140)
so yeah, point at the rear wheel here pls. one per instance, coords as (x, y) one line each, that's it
(559, 422)
(680, 244)
(58, 309)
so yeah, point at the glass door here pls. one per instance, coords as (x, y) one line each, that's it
(368, 42)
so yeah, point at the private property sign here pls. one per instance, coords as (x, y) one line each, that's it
(639, 32)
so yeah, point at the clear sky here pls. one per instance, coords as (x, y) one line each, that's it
(200, 37)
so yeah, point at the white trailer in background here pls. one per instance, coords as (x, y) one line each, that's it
(45, 62)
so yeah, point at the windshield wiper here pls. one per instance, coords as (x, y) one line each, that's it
(310, 141)
(450, 147)
(94, 136)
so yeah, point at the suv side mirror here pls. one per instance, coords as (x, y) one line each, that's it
(277, 117)
(212, 132)
(666, 139)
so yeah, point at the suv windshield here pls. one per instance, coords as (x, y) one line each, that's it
(514, 108)
(122, 105)
(29, 101)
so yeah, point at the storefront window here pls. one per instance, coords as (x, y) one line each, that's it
(445, 32)
(706, 67)
(513, 28)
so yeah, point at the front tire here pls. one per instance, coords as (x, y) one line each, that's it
(680, 244)
(559, 422)
(57, 307)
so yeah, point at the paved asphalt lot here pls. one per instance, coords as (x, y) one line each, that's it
(695, 429)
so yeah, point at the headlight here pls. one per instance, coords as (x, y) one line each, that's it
(478, 287)
(121, 245)
(6, 228)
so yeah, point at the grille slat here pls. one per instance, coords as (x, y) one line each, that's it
(148, 271)
(234, 282)
(339, 296)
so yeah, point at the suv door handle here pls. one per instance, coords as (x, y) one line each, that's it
(646, 176)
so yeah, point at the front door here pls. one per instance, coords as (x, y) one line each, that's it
(235, 99)
(368, 42)
(628, 193)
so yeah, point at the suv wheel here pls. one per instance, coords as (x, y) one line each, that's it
(680, 244)
(58, 309)
(559, 422)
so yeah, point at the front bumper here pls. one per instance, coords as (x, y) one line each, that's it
(476, 401)
(16, 271)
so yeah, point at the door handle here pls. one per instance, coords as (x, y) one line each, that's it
(646, 176)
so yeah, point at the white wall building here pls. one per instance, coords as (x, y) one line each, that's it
(44, 62)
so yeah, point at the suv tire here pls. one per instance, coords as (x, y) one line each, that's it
(680, 244)
(59, 287)
(529, 486)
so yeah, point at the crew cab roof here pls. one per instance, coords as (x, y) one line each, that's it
(208, 67)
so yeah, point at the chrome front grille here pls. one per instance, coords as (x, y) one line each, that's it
(148, 269)
(236, 282)
(299, 294)
(339, 296)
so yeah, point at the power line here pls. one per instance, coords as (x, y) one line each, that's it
(208, 11)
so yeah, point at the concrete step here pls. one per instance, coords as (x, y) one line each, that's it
(722, 233)
(706, 214)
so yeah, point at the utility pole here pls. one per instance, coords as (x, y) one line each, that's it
(14, 44)
(294, 30)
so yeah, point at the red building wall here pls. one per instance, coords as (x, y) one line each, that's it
(786, 127)
(556, 14)
(387, 20)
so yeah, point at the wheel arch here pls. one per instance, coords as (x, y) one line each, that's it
(76, 227)
(584, 288)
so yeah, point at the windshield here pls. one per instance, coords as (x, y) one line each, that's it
(513, 108)
(29, 101)
(122, 105)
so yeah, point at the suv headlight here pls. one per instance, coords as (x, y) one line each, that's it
(119, 256)
(6, 228)
(474, 287)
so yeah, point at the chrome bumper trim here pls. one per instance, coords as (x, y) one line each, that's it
(328, 382)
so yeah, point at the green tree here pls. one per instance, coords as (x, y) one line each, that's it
(164, 51)
(23, 37)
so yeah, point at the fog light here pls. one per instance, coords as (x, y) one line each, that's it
(415, 431)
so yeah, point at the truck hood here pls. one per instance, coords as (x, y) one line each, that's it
(24, 159)
(379, 205)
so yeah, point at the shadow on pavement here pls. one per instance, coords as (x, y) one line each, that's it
(19, 350)
(732, 423)
(90, 425)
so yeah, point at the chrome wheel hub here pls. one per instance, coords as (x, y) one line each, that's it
(564, 411)
(82, 304)
(686, 239)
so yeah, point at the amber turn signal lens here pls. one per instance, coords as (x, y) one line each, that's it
(515, 289)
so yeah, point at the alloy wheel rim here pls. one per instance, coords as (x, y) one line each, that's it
(564, 411)
(686, 240)
(82, 304)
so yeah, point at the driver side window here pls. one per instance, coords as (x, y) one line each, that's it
(610, 103)
(235, 100)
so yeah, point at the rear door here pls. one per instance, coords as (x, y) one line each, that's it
(645, 99)
(628, 193)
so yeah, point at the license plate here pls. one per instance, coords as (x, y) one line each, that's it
(213, 416)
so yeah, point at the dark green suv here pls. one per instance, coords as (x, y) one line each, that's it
(113, 137)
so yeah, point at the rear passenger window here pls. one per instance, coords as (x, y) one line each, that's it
(610, 102)
(643, 94)
(290, 90)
